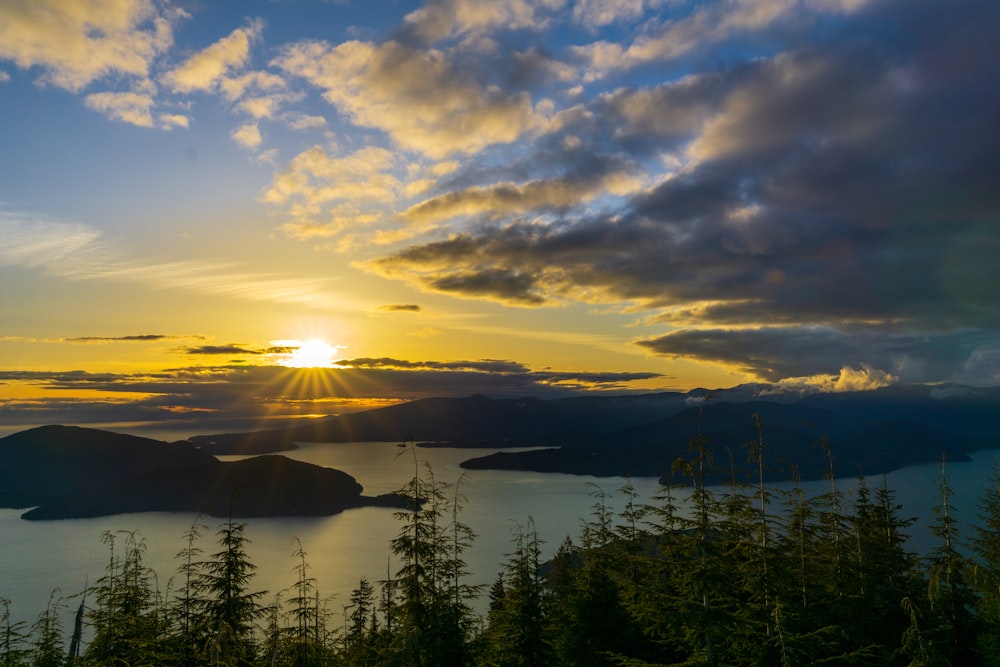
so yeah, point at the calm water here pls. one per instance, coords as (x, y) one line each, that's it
(37, 557)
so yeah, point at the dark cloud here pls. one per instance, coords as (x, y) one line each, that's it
(224, 349)
(402, 307)
(141, 338)
(968, 356)
(833, 203)
(209, 398)
(483, 365)
(499, 283)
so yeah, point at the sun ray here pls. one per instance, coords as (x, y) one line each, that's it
(312, 353)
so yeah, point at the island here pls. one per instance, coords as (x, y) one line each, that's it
(63, 472)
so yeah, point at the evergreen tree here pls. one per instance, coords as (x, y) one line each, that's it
(46, 647)
(432, 619)
(516, 635)
(186, 626)
(986, 546)
(230, 610)
(592, 623)
(305, 639)
(126, 621)
(949, 583)
(883, 571)
(12, 638)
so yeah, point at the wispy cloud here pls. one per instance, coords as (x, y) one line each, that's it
(401, 307)
(79, 252)
(135, 338)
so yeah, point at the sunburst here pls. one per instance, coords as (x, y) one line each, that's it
(313, 353)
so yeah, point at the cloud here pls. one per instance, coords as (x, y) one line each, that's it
(235, 87)
(864, 378)
(781, 353)
(502, 199)
(4, 77)
(77, 42)
(300, 121)
(208, 68)
(420, 98)
(229, 349)
(31, 242)
(707, 25)
(204, 399)
(816, 207)
(441, 19)
(247, 135)
(137, 338)
(77, 252)
(131, 108)
(596, 13)
(173, 120)
(401, 307)
(322, 192)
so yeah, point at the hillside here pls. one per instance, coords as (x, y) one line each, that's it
(41, 464)
(72, 472)
(463, 422)
(866, 432)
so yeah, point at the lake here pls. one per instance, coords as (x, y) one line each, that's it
(38, 557)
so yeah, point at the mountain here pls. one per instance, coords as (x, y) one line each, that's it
(41, 464)
(72, 472)
(264, 486)
(866, 433)
(469, 422)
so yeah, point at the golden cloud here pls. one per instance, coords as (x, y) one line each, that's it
(76, 42)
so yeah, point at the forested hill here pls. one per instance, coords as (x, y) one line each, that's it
(71, 472)
(42, 464)
(867, 432)
(803, 439)
(468, 421)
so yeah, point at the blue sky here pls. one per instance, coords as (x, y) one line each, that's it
(534, 196)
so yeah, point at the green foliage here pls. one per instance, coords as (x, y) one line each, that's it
(127, 616)
(13, 637)
(727, 575)
(46, 637)
(229, 611)
(986, 547)
(432, 619)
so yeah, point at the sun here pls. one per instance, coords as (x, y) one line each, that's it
(313, 353)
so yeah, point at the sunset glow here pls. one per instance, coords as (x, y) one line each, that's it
(308, 354)
(448, 197)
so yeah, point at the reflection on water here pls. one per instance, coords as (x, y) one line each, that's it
(40, 556)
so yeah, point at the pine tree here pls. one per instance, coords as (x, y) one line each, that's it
(883, 571)
(986, 546)
(516, 635)
(46, 636)
(186, 624)
(230, 610)
(306, 645)
(12, 638)
(127, 623)
(432, 619)
(949, 590)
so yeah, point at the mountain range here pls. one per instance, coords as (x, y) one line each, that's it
(860, 432)
(66, 471)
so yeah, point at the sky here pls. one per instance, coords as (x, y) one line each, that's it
(216, 213)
